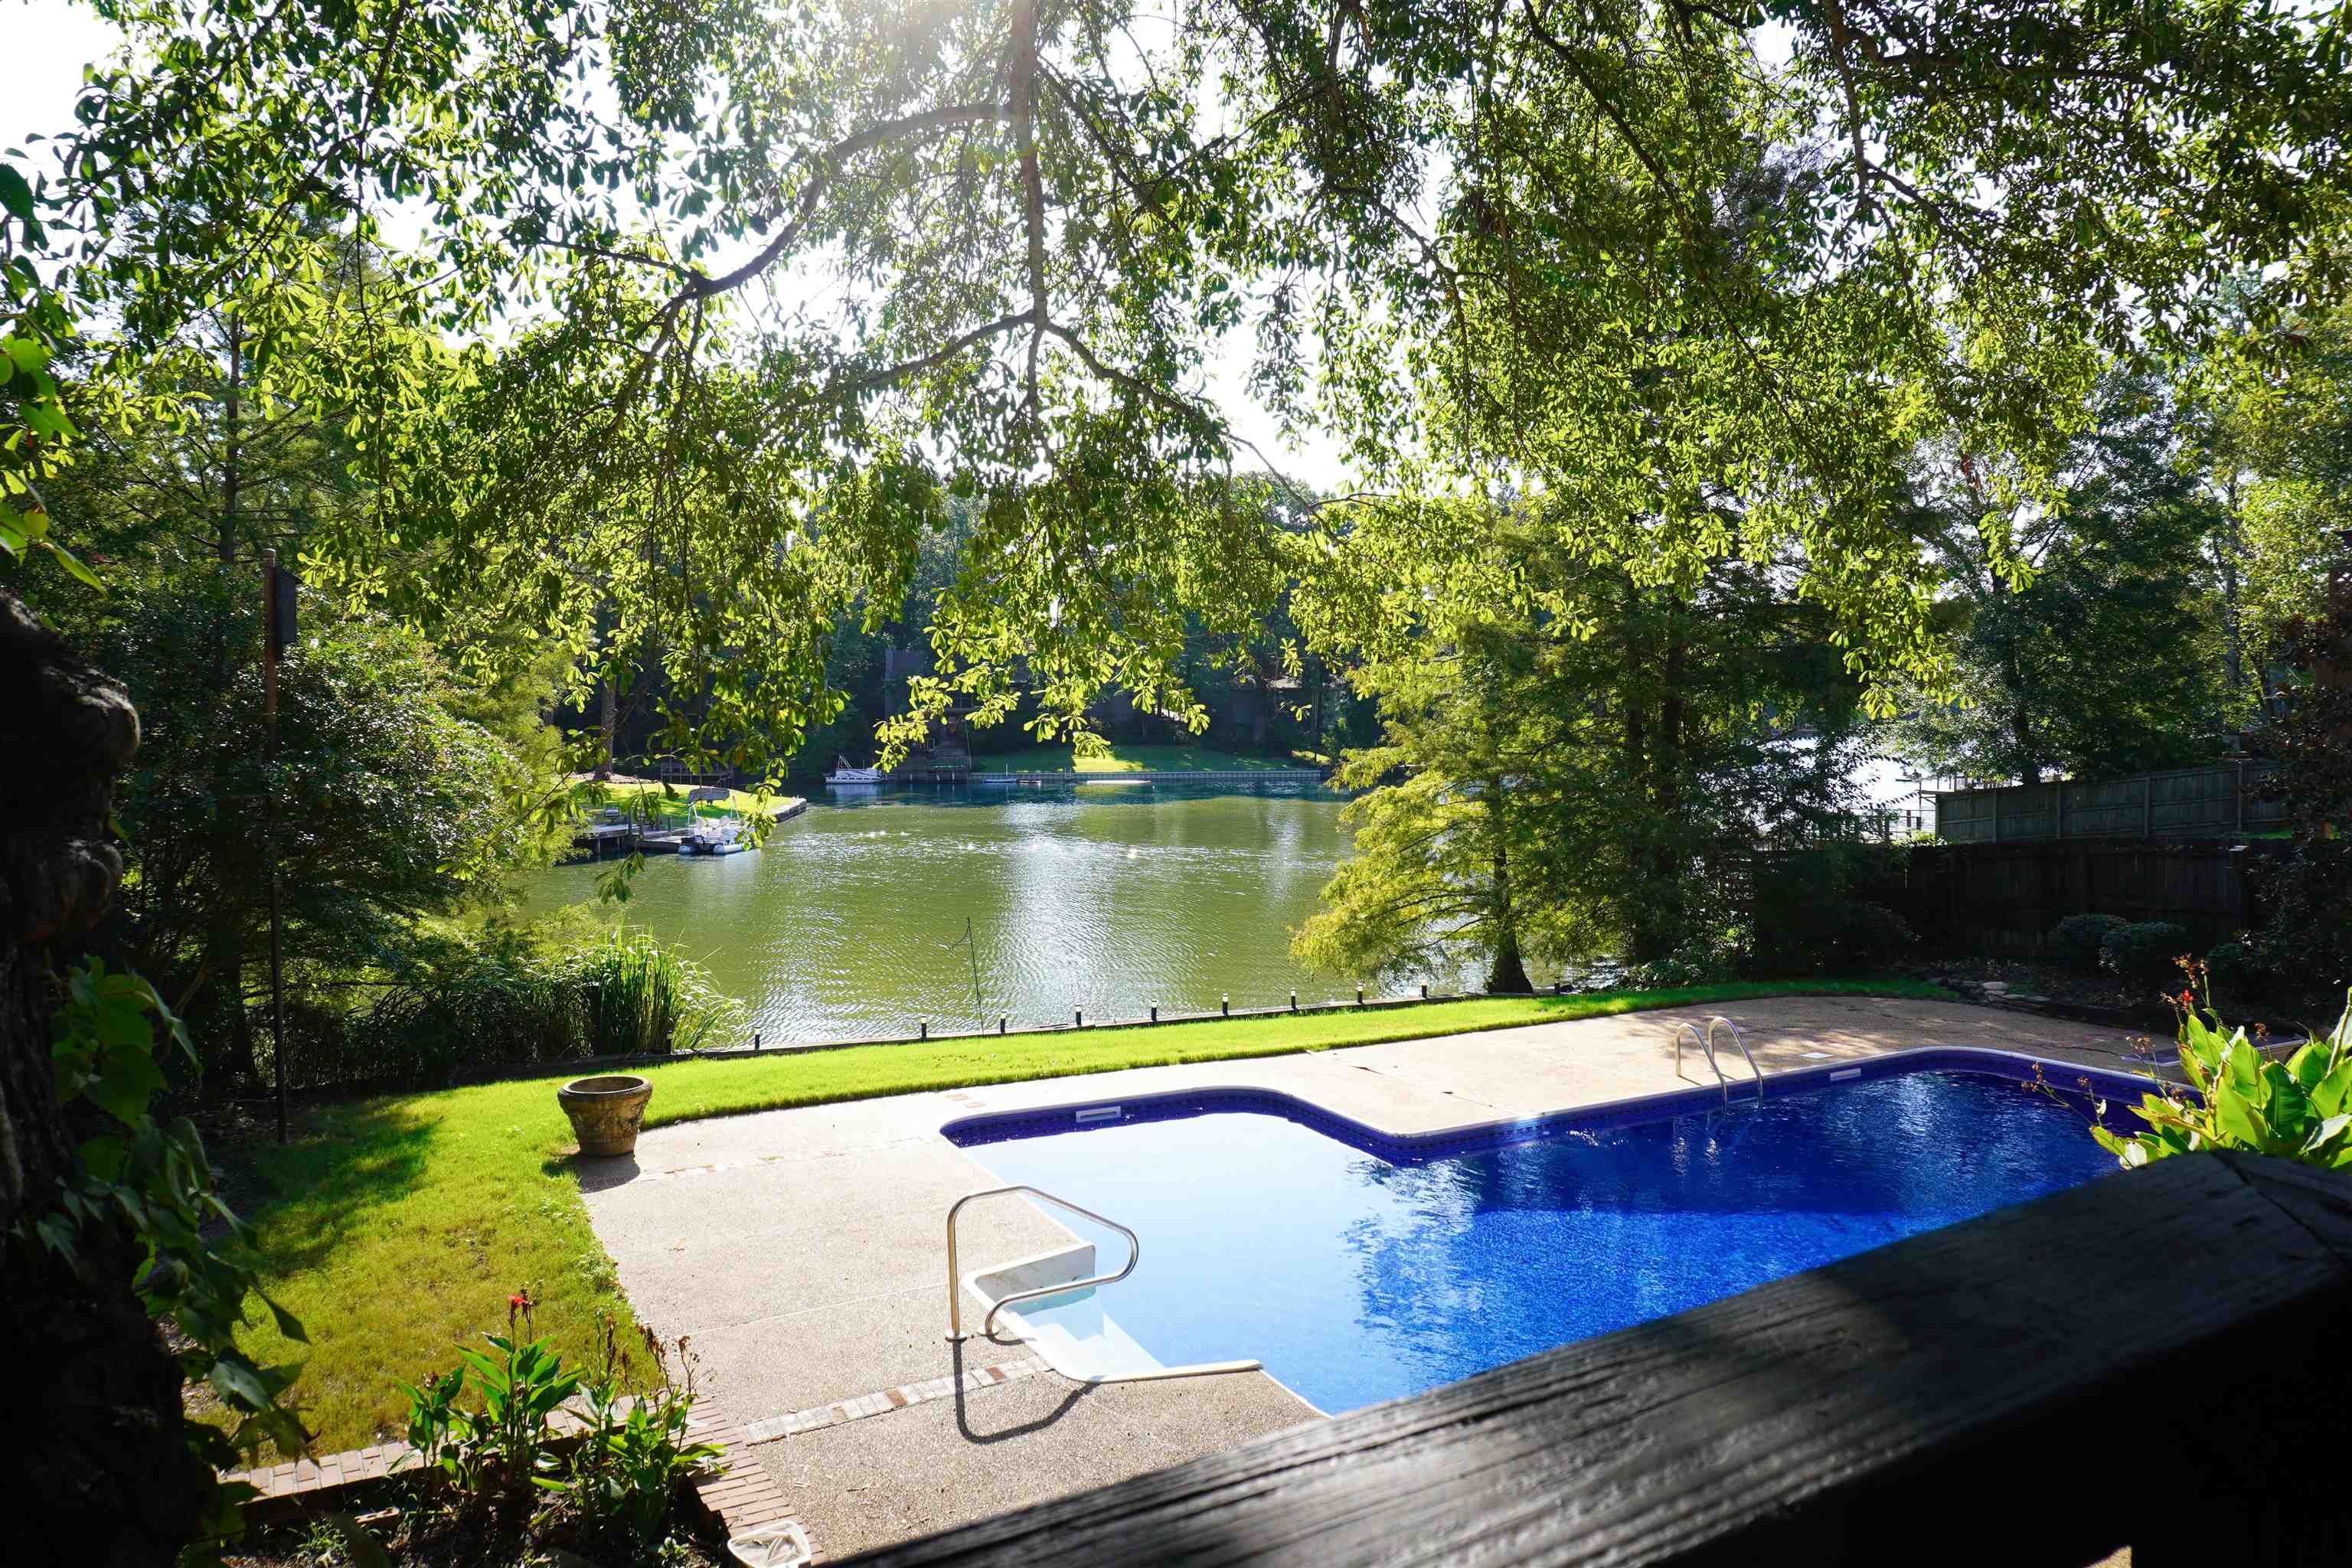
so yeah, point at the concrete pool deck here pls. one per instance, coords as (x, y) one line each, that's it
(802, 1250)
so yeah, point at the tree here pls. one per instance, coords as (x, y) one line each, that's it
(110, 1479)
(2275, 423)
(1483, 242)
(383, 806)
(1597, 778)
(2108, 657)
(2308, 937)
(1432, 877)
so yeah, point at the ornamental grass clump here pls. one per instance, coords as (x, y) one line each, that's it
(2298, 1109)
(638, 998)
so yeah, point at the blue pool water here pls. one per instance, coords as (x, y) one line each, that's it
(1356, 1277)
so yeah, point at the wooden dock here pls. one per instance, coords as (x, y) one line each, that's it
(603, 840)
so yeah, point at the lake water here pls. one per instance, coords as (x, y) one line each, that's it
(1107, 899)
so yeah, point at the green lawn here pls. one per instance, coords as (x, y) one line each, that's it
(668, 802)
(1130, 760)
(396, 1227)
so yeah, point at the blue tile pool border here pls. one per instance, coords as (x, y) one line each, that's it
(2120, 1089)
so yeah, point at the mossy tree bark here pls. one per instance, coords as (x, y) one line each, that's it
(103, 1475)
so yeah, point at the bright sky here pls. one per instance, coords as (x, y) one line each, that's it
(49, 41)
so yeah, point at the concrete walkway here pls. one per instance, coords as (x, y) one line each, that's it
(802, 1250)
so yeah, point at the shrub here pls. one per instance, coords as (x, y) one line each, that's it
(1700, 961)
(496, 1471)
(501, 996)
(2308, 940)
(1806, 919)
(2300, 1109)
(2146, 953)
(637, 997)
(1836, 936)
(2078, 940)
(2236, 969)
(1872, 936)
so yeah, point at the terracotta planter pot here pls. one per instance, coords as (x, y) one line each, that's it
(606, 1111)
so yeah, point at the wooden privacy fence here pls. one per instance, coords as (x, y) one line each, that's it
(2002, 899)
(2186, 802)
(2154, 1359)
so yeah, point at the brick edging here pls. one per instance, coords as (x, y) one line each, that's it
(742, 1496)
(817, 1418)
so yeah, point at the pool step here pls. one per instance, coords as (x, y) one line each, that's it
(1071, 1330)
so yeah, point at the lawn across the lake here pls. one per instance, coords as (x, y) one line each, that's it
(1127, 759)
(396, 1228)
(667, 803)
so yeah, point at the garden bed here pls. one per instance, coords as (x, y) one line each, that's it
(2060, 991)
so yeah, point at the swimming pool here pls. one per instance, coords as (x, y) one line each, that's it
(1359, 1267)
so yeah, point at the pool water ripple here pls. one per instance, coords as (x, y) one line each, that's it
(1356, 1278)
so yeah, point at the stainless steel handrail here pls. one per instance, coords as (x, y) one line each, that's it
(1687, 1027)
(1707, 1044)
(988, 1324)
(1741, 1041)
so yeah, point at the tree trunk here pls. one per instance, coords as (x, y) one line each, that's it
(104, 1475)
(232, 469)
(228, 1055)
(2230, 551)
(1668, 848)
(607, 721)
(2020, 721)
(1507, 973)
(1322, 681)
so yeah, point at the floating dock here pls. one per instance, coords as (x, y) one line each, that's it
(603, 840)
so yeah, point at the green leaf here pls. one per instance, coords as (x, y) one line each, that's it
(15, 194)
(2238, 1117)
(2334, 1092)
(242, 1384)
(81, 573)
(130, 1080)
(288, 1323)
(28, 355)
(2327, 1138)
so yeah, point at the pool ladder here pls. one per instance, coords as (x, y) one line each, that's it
(987, 1325)
(1707, 1044)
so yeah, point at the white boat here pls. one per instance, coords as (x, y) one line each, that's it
(713, 839)
(845, 775)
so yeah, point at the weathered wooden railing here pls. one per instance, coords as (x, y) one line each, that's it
(2156, 1360)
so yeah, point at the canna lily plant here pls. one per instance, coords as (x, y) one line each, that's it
(2300, 1109)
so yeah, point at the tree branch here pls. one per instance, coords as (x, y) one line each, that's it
(829, 165)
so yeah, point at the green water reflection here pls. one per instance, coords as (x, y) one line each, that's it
(1105, 898)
